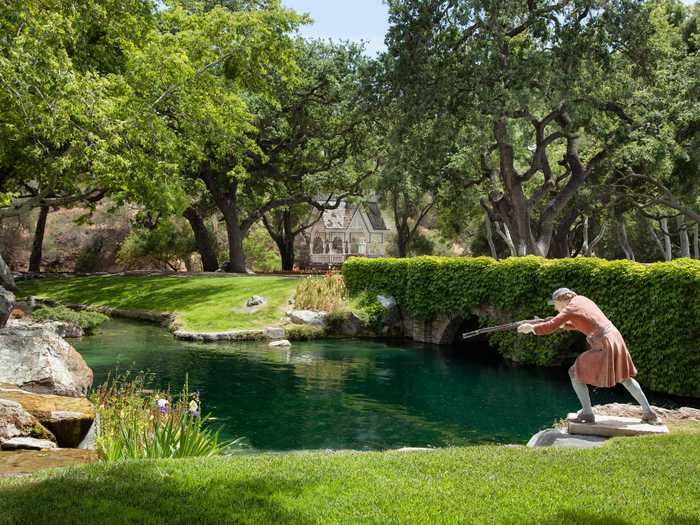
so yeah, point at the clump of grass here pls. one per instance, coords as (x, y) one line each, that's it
(303, 332)
(368, 310)
(136, 422)
(86, 320)
(326, 294)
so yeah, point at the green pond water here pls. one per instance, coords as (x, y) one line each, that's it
(342, 394)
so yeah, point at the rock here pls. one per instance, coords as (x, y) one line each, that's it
(255, 300)
(27, 461)
(68, 418)
(27, 304)
(65, 329)
(274, 332)
(560, 439)
(38, 360)
(28, 443)
(610, 426)
(7, 301)
(89, 442)
(351, 325)
(308, 317)
(391, 314)
(15, 421)
(7, 281)
(387, 302)
(280, 343)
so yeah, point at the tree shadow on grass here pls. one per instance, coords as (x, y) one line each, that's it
(150, 493)
(576, 517)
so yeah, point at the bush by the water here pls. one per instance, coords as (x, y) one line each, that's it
(87, 320)
(325, 293)
(137, 422)
(655, 306)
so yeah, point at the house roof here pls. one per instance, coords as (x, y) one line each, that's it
(341, 217)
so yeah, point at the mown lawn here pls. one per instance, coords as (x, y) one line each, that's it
(201, 303)
(629, 481)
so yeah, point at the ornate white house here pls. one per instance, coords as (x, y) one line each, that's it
(350, 229)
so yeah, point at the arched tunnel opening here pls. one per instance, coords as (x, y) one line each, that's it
(476, 348)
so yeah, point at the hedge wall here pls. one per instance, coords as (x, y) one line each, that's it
(655, 306)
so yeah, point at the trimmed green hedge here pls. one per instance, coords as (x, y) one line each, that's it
(655, 306)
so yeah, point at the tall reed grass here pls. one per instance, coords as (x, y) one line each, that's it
(136, 422)
(327, 293)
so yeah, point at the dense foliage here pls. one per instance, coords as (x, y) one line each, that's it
(655, 306)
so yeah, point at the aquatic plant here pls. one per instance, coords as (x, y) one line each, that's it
(136, 422)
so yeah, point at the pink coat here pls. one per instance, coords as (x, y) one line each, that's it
(608, 361)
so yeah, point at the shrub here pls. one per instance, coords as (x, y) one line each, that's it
(326, 293)
(655, 306)
(303, 332)
(87, 320)
(134, 426)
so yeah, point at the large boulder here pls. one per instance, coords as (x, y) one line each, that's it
(7, 302)
(15, 422)
(68, 418)
(308, 317)
(38, 360)
(7, 281)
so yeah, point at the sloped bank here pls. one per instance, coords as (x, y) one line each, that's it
(655, 306)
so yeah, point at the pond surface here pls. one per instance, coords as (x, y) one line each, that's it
(343, 394)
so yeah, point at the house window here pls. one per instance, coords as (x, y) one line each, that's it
(337, 244)
(318, 244)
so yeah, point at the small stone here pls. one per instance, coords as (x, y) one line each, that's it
(280, 343)
(256, 300)
(274, 332)
(27, 443)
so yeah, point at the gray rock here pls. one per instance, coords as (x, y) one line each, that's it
(391, 314)
(387, 302)
(15, 421)
(38, 360)
(274, 332)
(556, 438)
(26, 304)
(27, 443)
(308, 317)
(255, 300)
(65, 329)
(7, 302)
(89, 442)
(280, 343)
(351, 325)
(7, 281)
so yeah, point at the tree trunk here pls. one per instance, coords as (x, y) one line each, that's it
(696, 242)
(235, 236)
(286, 248)
(683, 233)
(37, 245)
(489, 236)
(203, 239)
(624, 241)
(668, 252)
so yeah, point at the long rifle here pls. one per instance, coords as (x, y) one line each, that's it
(499, 328)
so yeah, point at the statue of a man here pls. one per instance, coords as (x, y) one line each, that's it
(606, 363)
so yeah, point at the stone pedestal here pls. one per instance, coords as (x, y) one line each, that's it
(611, 426)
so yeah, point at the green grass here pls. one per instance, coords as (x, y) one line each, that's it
(200, 303)
(628, 481)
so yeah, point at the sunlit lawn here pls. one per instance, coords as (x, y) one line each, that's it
(200, 303)
(628, 481)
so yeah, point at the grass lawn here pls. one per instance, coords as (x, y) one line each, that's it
(201, 303)
(628, 481)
